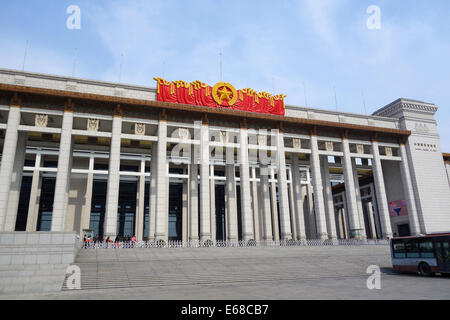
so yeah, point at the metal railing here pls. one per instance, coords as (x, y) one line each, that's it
(227, 244)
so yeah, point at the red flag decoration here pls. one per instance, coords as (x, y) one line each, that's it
(222, 95)
(398, 208)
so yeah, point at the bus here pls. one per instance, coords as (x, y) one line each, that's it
(425, 254)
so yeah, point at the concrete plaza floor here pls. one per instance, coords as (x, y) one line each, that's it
(243, 274)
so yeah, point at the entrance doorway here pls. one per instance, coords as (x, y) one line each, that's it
(46, 204)
(403, 230)
(220, 212)
(175, 211)
(98, 204)
(24, 201)
(126, 211)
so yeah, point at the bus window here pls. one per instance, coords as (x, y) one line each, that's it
(446, 251)
(412, 249)
(426, 249)
(399, 249)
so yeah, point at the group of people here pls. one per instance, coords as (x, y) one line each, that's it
(127, 240)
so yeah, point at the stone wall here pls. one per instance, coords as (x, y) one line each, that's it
(35, 261)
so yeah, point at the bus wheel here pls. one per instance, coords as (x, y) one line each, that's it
(425, 270)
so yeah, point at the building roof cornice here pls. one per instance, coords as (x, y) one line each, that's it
(403, 104)
(19, 83)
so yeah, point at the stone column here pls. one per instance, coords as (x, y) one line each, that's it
(383, 209)
(273, 202)
(16, 183)
(33, 205)
(414, 225)
(86, 214)
(246, 209)
(328, 198)
(193, 199)
(376, 215)
(162, 183)
(319, 207)
(185, 210)
(342, 223)
(231, 203)
(8, 155)
(205, 208)
(311, 216)
(371, 218)
(62, 185)
(358, 200)
(265, 203)
(345, 216)
(298, 199)
(255, 206)
(152, 192)
(139, 222)
(350, 193)
(212, 196)
(292, 208)
(112, 191)
(285, 220)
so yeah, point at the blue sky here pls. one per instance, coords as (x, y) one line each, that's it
(267, 45)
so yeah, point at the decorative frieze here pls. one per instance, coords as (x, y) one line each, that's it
(360, 149)
(262, 140)
(183, 133)
(402, 105)
(41, 120)
(92, 124)
(71, 86)
(19, 80)
(421, 128)
(223, 136)
(388, 151)
(297, 143)
(119, 92)
(139, 129)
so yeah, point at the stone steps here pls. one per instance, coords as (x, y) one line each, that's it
(103, 269)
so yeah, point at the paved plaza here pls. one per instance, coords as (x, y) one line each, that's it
(243, 273)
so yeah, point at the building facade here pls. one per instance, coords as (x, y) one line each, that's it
(111, 160)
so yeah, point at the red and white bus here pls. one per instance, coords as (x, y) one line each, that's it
(427, 254)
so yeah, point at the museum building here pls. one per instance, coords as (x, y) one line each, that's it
(193, 162)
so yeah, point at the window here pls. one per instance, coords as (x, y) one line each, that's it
(399, 249)
(101, 166)
(426, 249)
(412, 249)
(446, 250)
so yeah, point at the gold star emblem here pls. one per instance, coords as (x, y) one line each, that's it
(224, 94)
